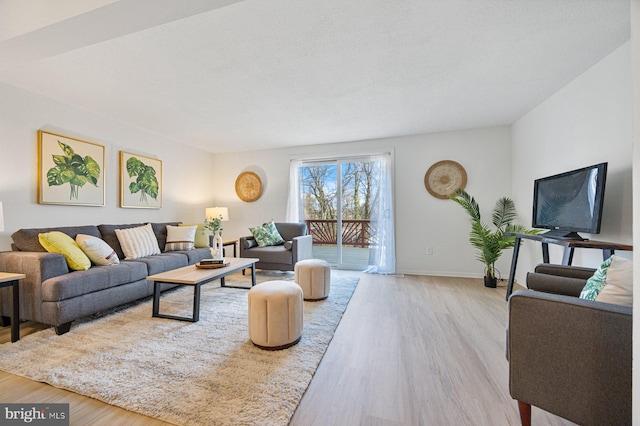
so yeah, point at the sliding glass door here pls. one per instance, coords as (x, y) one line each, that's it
(337, 198)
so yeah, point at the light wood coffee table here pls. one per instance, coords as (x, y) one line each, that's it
(196, 277)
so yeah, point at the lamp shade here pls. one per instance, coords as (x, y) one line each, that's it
(213, 212)
(1, 218)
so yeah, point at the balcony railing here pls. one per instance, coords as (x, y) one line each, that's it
(355, 233)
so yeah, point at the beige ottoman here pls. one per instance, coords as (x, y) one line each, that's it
(314, 277)
(275, 314)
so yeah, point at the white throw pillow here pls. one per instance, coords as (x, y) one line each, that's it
(618, 287)
(180, 238)
(138, 242)
(97, 250)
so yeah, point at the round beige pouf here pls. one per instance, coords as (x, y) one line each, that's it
(314, 277)
(275, 314)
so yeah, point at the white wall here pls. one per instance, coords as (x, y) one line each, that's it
(187, 172)
(421, 220)
(588, 121)
(635, 66)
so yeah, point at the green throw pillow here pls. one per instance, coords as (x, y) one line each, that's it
(596, 283)
(202, 235)
(267, 235)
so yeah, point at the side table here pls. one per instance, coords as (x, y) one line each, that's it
(569, 245)
(233, 243)
(8, 279)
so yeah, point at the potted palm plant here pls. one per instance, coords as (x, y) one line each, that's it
(490, 243)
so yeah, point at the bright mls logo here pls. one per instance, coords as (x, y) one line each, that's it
(34, 414)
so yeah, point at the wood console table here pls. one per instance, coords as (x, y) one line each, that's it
(9, 279)
(569, 245)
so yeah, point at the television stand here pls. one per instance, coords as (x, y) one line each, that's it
(563, 235)
(569, 245)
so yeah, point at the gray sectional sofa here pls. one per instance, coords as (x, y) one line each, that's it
(52, 294)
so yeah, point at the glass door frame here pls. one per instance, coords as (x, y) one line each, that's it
(338, 162)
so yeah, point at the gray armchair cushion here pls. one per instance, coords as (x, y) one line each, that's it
(248, 242)
(555, 284)
(565, 271)
(272, 254)
(559, 279)
(290, 230)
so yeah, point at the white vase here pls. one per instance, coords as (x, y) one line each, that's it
(216, 248)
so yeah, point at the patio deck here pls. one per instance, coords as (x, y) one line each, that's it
(357, 257)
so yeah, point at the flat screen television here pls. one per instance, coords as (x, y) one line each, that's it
(570, 202)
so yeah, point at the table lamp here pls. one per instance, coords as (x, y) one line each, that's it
(1, 218)
(212, 212)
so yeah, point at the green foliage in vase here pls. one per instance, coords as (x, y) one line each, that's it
(73, 169)
(146, 182)
(214, 224)
(490, 243)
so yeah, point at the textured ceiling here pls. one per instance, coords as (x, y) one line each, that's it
(242, 75)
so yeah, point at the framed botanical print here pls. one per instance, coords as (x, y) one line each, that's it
(70, 171)
(140, 181)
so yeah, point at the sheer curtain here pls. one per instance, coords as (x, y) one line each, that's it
(294, 202)
(382, 248)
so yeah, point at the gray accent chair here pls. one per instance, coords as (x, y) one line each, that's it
(569, 356)
(298, 246)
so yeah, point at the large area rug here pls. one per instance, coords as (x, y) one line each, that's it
(200, 373)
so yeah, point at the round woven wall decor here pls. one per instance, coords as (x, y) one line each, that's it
(248, 186)
(444, 178)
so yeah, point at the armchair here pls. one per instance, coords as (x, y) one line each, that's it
(298, 246)
(569, 356)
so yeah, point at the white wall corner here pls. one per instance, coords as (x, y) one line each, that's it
(635, 67)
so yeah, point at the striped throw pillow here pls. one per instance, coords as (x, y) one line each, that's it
(180, 238)
(138, 242)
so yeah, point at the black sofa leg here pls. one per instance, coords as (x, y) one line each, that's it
(62, 328)
(5, 321)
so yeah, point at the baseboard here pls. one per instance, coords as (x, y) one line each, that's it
(440, 274)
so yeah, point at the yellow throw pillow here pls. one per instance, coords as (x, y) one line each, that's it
(202, 235)
(61, 243)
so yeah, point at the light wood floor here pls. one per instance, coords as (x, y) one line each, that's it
(408, 351)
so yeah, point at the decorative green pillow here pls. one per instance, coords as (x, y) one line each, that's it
(596, 283)
(61, 243)
(202, 236)
(267, 235)
(611, 283)
(619, 288)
